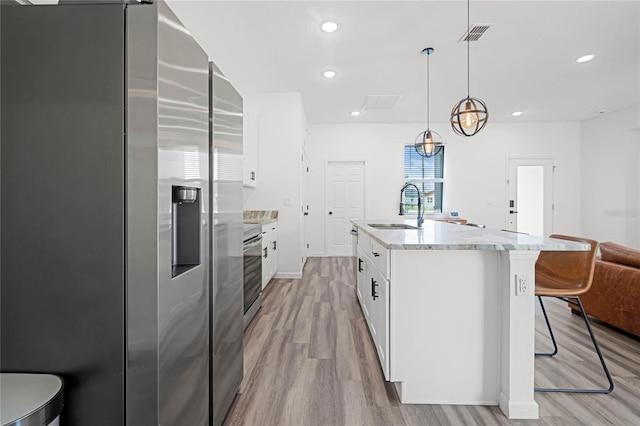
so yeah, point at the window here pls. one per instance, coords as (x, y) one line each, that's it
(427, 174)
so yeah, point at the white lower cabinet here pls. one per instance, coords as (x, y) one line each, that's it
(380, 317)
(372, 290)
(269, 252)
(361, 278)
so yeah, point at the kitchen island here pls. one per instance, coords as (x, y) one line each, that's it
(451, 311)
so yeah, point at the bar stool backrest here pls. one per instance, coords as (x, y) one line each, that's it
(565, 273)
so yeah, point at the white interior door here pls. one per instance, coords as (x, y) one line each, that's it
(344, 199)
(530, 195)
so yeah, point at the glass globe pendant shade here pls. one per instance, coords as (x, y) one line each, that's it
(428, 143)
(469, 116)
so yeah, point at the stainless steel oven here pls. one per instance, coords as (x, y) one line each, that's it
(252, 249)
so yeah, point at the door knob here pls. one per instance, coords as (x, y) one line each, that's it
(330, 212)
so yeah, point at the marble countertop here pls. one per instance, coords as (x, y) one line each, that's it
(260, 217)
(436, 235)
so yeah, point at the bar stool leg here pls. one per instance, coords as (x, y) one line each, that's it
(595, 344)
(553, 339)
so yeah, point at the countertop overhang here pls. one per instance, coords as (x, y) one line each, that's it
(436, 235)
(259, 221)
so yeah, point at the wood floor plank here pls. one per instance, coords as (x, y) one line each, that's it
(303, 320)
(323, 332)
(356, 411)
(346, 364)
(325, 266)
(309, 360)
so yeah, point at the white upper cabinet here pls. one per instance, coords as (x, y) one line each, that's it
(250, 148)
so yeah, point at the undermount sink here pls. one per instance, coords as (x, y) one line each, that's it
(391, 226)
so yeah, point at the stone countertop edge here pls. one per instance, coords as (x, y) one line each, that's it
(436, 235)
(259, 221)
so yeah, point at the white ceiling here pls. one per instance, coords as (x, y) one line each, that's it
(525, 61)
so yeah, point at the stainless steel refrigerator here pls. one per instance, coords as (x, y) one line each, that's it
(105, 245)
(227, 224)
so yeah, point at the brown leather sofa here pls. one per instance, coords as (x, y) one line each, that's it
(614, 296)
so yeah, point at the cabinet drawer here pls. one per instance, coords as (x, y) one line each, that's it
(380, 257)
(364, 242)
(269, 230)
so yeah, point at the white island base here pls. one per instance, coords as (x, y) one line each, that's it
(451, 311)
(459, 334)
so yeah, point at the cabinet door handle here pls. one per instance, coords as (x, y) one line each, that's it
(360, 265)
(274, 245)
(374, 284)
(265, 252)
(375, 254)
(253, 175)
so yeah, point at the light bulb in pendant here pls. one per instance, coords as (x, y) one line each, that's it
(469, 118)
(427, 143)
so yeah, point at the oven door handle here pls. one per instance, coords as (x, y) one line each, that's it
(257, 240)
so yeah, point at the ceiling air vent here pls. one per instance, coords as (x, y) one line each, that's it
(475, 32)
(381, 101)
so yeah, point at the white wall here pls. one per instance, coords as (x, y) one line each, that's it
(610, 180)
(475, 169)
(280, 129)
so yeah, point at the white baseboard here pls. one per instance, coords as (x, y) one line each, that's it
(289, 275)
(519, 409)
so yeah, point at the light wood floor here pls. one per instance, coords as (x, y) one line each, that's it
(309, 360)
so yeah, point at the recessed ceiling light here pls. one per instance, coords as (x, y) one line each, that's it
(329, 26)
(328, 74)
(355, 113)
(516, 113)
(585, 58)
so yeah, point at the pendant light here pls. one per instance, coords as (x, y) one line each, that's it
(470, 115)
(428, 143)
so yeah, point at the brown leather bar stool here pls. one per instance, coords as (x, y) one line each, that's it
(566, 275)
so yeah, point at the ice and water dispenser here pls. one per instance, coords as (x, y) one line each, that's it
(185, 229)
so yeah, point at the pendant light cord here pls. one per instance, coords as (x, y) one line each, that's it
(468, 41)
(427, 55)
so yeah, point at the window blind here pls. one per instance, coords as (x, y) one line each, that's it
(427, 173)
